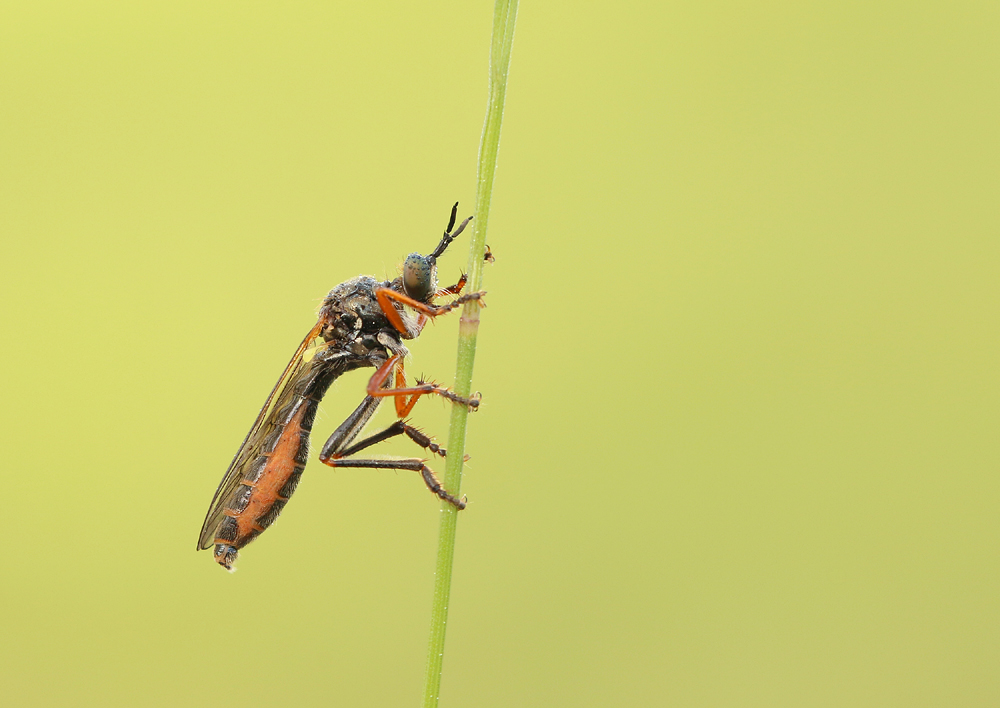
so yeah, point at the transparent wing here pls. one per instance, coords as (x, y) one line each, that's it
(247, 452)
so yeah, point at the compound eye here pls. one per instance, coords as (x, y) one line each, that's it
(418, 277)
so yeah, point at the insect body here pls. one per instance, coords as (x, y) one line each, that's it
(362, 323)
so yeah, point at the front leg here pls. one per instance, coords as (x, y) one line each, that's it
(455, 289)
(386, 297)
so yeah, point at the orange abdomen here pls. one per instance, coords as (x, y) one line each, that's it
(268, 482)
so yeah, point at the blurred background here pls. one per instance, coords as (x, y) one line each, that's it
(738, 445)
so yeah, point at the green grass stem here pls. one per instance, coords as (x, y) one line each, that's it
(504, 16)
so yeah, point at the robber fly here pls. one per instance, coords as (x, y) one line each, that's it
(362, 323)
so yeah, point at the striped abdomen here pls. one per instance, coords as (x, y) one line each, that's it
(269, 480)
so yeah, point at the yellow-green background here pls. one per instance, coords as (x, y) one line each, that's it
(738, 444)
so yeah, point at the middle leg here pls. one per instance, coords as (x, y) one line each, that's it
(377, 388)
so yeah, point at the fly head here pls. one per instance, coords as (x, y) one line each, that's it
(420, 272)
(420, 277)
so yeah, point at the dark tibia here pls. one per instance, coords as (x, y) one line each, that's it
(400, 427)
(349, 429)
(416, 465)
